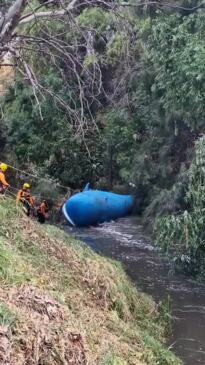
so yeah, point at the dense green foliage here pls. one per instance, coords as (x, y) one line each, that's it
(49, 144)
(131, 92)
(183, 235)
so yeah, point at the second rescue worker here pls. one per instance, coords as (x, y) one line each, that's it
(25, 198)
(41, 212)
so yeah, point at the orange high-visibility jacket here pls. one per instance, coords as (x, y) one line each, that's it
(24, 195)
(3, 182)
(42, 208)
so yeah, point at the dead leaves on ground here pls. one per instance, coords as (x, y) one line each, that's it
(4, 346)
(40, 335)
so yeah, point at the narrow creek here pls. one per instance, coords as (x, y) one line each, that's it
(124, 240)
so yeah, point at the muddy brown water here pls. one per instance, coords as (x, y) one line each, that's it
(125, 241)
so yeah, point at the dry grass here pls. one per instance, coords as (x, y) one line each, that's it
(63, 304)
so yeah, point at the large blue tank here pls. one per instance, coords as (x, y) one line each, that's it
(93, 206)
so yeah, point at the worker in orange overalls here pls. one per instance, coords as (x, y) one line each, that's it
(41, 212)
(3, 183)
(26, 199)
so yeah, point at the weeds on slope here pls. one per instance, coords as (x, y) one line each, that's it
(63, 304)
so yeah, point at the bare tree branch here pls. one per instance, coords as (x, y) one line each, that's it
(48, 14)
(174, 6)
(9, 22)
(8, 65)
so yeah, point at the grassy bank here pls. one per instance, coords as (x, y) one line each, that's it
(60, 303)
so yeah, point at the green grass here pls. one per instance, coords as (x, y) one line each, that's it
(111, 359)
(7, 317)
(119, 325)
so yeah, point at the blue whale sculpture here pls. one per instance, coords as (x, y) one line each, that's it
(94, 206)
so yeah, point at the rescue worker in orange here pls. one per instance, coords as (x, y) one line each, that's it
(26, 199)
(3, 183)
(41, 212)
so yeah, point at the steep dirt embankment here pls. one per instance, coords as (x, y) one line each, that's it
(60, 303)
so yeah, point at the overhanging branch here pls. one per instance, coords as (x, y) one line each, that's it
(46, 14)
(168, 5)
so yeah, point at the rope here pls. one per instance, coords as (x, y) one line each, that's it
(15, 189)
(10, 192)
(39, 178)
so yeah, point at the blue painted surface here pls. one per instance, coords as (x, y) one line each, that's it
(92, 206)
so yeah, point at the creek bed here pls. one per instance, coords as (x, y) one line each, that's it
(125, 241)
